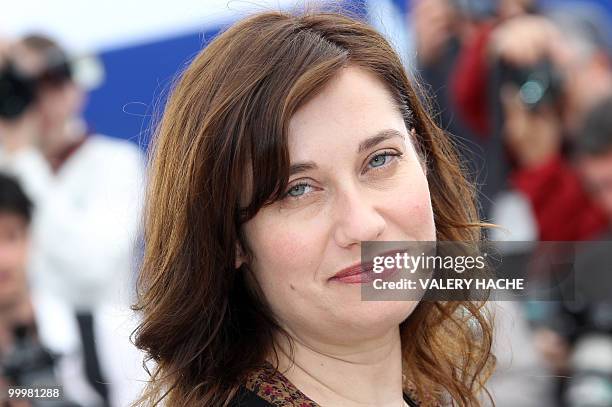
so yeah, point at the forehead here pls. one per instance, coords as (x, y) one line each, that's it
(353, 105)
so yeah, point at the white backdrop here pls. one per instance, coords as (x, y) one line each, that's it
(97, 25)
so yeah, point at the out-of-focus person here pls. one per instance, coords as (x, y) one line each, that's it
(575, 335)
(87, 194)
(451, 56)
(28, 353)
(587, 65)
(571, 35)
(519, 364)
(532, 58)
(593, 157)
(440, 23)
(539, 63)
(15, 215)
(452, 53)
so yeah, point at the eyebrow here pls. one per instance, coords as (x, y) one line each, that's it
(363, 146)
(378, 138)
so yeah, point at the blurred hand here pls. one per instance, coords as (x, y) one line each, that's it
(22, 132)
(532, 137)
(433, 22)
(526, 40)
(553, 348)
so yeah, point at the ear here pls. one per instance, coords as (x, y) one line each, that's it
(240, 257)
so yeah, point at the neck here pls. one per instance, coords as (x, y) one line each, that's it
(365, 373)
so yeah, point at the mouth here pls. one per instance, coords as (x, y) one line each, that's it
(363, 273)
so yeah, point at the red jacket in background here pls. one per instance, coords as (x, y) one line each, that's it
(561, 206)
(469, 82)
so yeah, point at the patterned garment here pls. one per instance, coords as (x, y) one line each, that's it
(272, 386)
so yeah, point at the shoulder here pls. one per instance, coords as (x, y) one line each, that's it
(248, 398)
(267, 386)
(117, 158)
(113, 148)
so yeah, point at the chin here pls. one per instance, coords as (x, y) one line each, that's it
(377, 317)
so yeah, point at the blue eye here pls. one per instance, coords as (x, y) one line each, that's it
(380, 160)
(297, 190)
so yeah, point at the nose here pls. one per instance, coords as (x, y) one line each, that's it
(357, 218)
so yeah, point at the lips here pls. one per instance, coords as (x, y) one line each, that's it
(356, 274)
(360, 273)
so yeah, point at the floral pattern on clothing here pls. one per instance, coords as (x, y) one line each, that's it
(272, 386)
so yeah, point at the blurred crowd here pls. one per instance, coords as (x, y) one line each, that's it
(70, 203)
(524, 91)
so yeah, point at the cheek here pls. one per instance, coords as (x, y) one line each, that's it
(285, 255)
(56, 103)
(286, 260)
(409, 208)
(12, 269)
(13, 255)
(23, 255)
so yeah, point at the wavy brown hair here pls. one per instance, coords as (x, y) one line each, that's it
(224, 130)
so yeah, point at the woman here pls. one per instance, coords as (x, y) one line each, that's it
(287, 142)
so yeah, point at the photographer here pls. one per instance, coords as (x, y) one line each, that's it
(593, 156)
(532, 59)
(549, 72)
(576, 334)
(30, 322)
(86, 189)
(451, 43)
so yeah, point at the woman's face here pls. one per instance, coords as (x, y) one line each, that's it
(355, 177)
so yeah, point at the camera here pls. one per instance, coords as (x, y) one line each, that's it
(538, 85)
(29, 365)
(18, 89)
